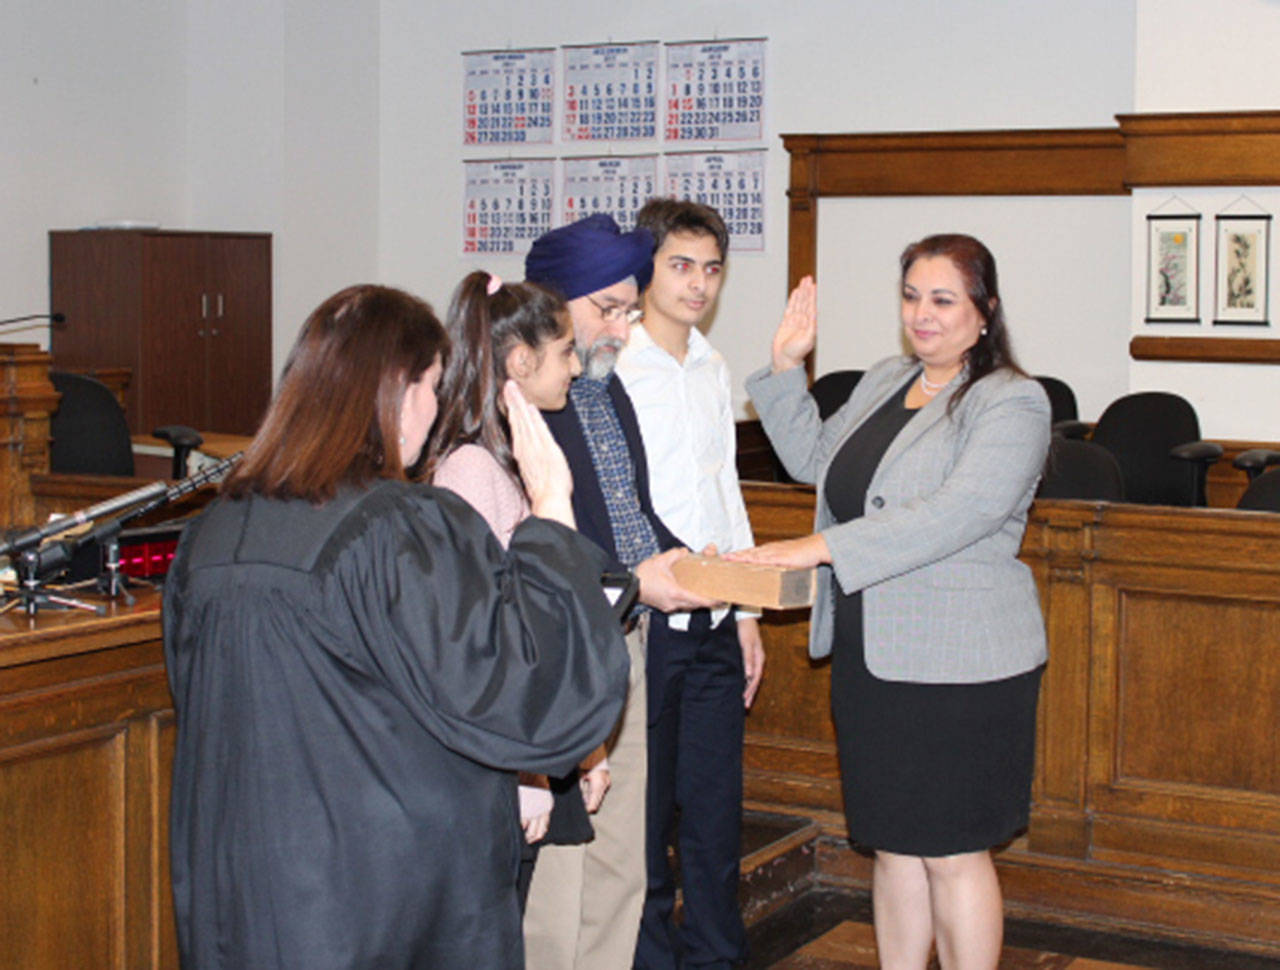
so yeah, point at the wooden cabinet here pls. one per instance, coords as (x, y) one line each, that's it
(189, 313)
(86, 748)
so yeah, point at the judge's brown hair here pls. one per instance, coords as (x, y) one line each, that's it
(335, 418)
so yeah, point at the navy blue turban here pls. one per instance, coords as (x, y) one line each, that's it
(589, 255)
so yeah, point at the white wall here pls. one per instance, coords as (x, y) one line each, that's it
(1063, 266)
(834, 66)
(282, 136)
(1221, 56)
(91, 129)
(1196, 56)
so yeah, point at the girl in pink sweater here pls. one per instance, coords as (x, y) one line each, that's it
(499, 332)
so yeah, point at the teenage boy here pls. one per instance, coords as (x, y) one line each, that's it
(704, 666)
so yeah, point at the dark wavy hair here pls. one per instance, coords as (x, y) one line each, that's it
(977, 267)
(662, 216)
(335, 418)
(484, 328)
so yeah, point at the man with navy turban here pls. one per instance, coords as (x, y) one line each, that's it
(583, 911)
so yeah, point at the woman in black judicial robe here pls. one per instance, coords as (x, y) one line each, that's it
(358, 668)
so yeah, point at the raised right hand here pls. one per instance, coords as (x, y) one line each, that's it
(798, 331)
(543, 468)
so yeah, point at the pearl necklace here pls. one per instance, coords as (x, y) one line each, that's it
(930, 388)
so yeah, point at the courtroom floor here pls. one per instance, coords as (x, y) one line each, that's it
(831, 930)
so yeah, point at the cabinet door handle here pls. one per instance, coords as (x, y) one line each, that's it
(204, 307)
(214, 331)
(219, 307)
(200, 332)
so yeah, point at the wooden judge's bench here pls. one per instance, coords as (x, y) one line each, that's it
(1156, 804)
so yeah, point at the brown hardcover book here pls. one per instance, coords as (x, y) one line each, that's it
(746, 584)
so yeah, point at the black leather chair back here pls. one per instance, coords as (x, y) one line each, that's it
(833, 389)
(89, 431)
(1062, 400)
(1263, 493)
(1081, 469)
(1139, 430)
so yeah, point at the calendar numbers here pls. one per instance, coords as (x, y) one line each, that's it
(730, 182)
(611, 92)
(616, 186)
(715, 91)
(507, 205)
(508, 97)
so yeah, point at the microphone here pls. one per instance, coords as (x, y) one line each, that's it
(147, 498)
(51, 317)
(35, 536)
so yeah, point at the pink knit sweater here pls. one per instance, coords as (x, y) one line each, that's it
(474, 474)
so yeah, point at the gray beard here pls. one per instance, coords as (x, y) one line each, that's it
(599, 360)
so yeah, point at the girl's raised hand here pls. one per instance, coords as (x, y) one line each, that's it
(543, 468)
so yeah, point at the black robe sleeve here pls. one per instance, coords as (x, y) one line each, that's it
(511, 658)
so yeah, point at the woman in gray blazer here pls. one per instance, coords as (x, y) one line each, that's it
(924, 480)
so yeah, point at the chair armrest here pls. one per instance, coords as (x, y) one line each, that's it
(1255, 460)
(1203, 451)
(1072, 429)
(180, 436)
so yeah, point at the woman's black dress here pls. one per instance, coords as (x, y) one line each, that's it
(927, 769)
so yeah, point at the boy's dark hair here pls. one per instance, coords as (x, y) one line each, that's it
(667, 215)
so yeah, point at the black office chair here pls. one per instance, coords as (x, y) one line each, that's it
(1255, 461)
(89, 431)
(1062, 400)
(1081, 469)
(1263, 493)
(832, 390)
(184, 440)
(1154, 436)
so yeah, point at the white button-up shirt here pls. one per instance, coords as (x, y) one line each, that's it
(690, 441)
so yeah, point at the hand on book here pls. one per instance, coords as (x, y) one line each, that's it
(793, 553)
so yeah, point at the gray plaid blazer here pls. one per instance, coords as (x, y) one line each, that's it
(945, 598)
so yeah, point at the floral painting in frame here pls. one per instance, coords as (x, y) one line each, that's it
(1243, 253)
(1173, 269)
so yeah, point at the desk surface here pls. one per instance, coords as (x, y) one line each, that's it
(58, 632)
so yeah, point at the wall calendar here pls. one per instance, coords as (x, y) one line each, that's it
(508, 97)
(730, 182)
(611, 92)
(614, 185)
(715, 91)
(508, 204)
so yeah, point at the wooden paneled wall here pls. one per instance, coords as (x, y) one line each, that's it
(1156, 802)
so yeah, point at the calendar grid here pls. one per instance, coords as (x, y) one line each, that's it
(693, 96)
(508, 96)
(611, 92)
(508, 204)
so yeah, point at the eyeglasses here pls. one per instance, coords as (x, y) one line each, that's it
(616, 312)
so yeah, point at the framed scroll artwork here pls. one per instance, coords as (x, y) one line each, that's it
(1243, 254)
(1173, 269)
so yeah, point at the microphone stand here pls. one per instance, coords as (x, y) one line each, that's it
(53, 318)
(36, 563)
